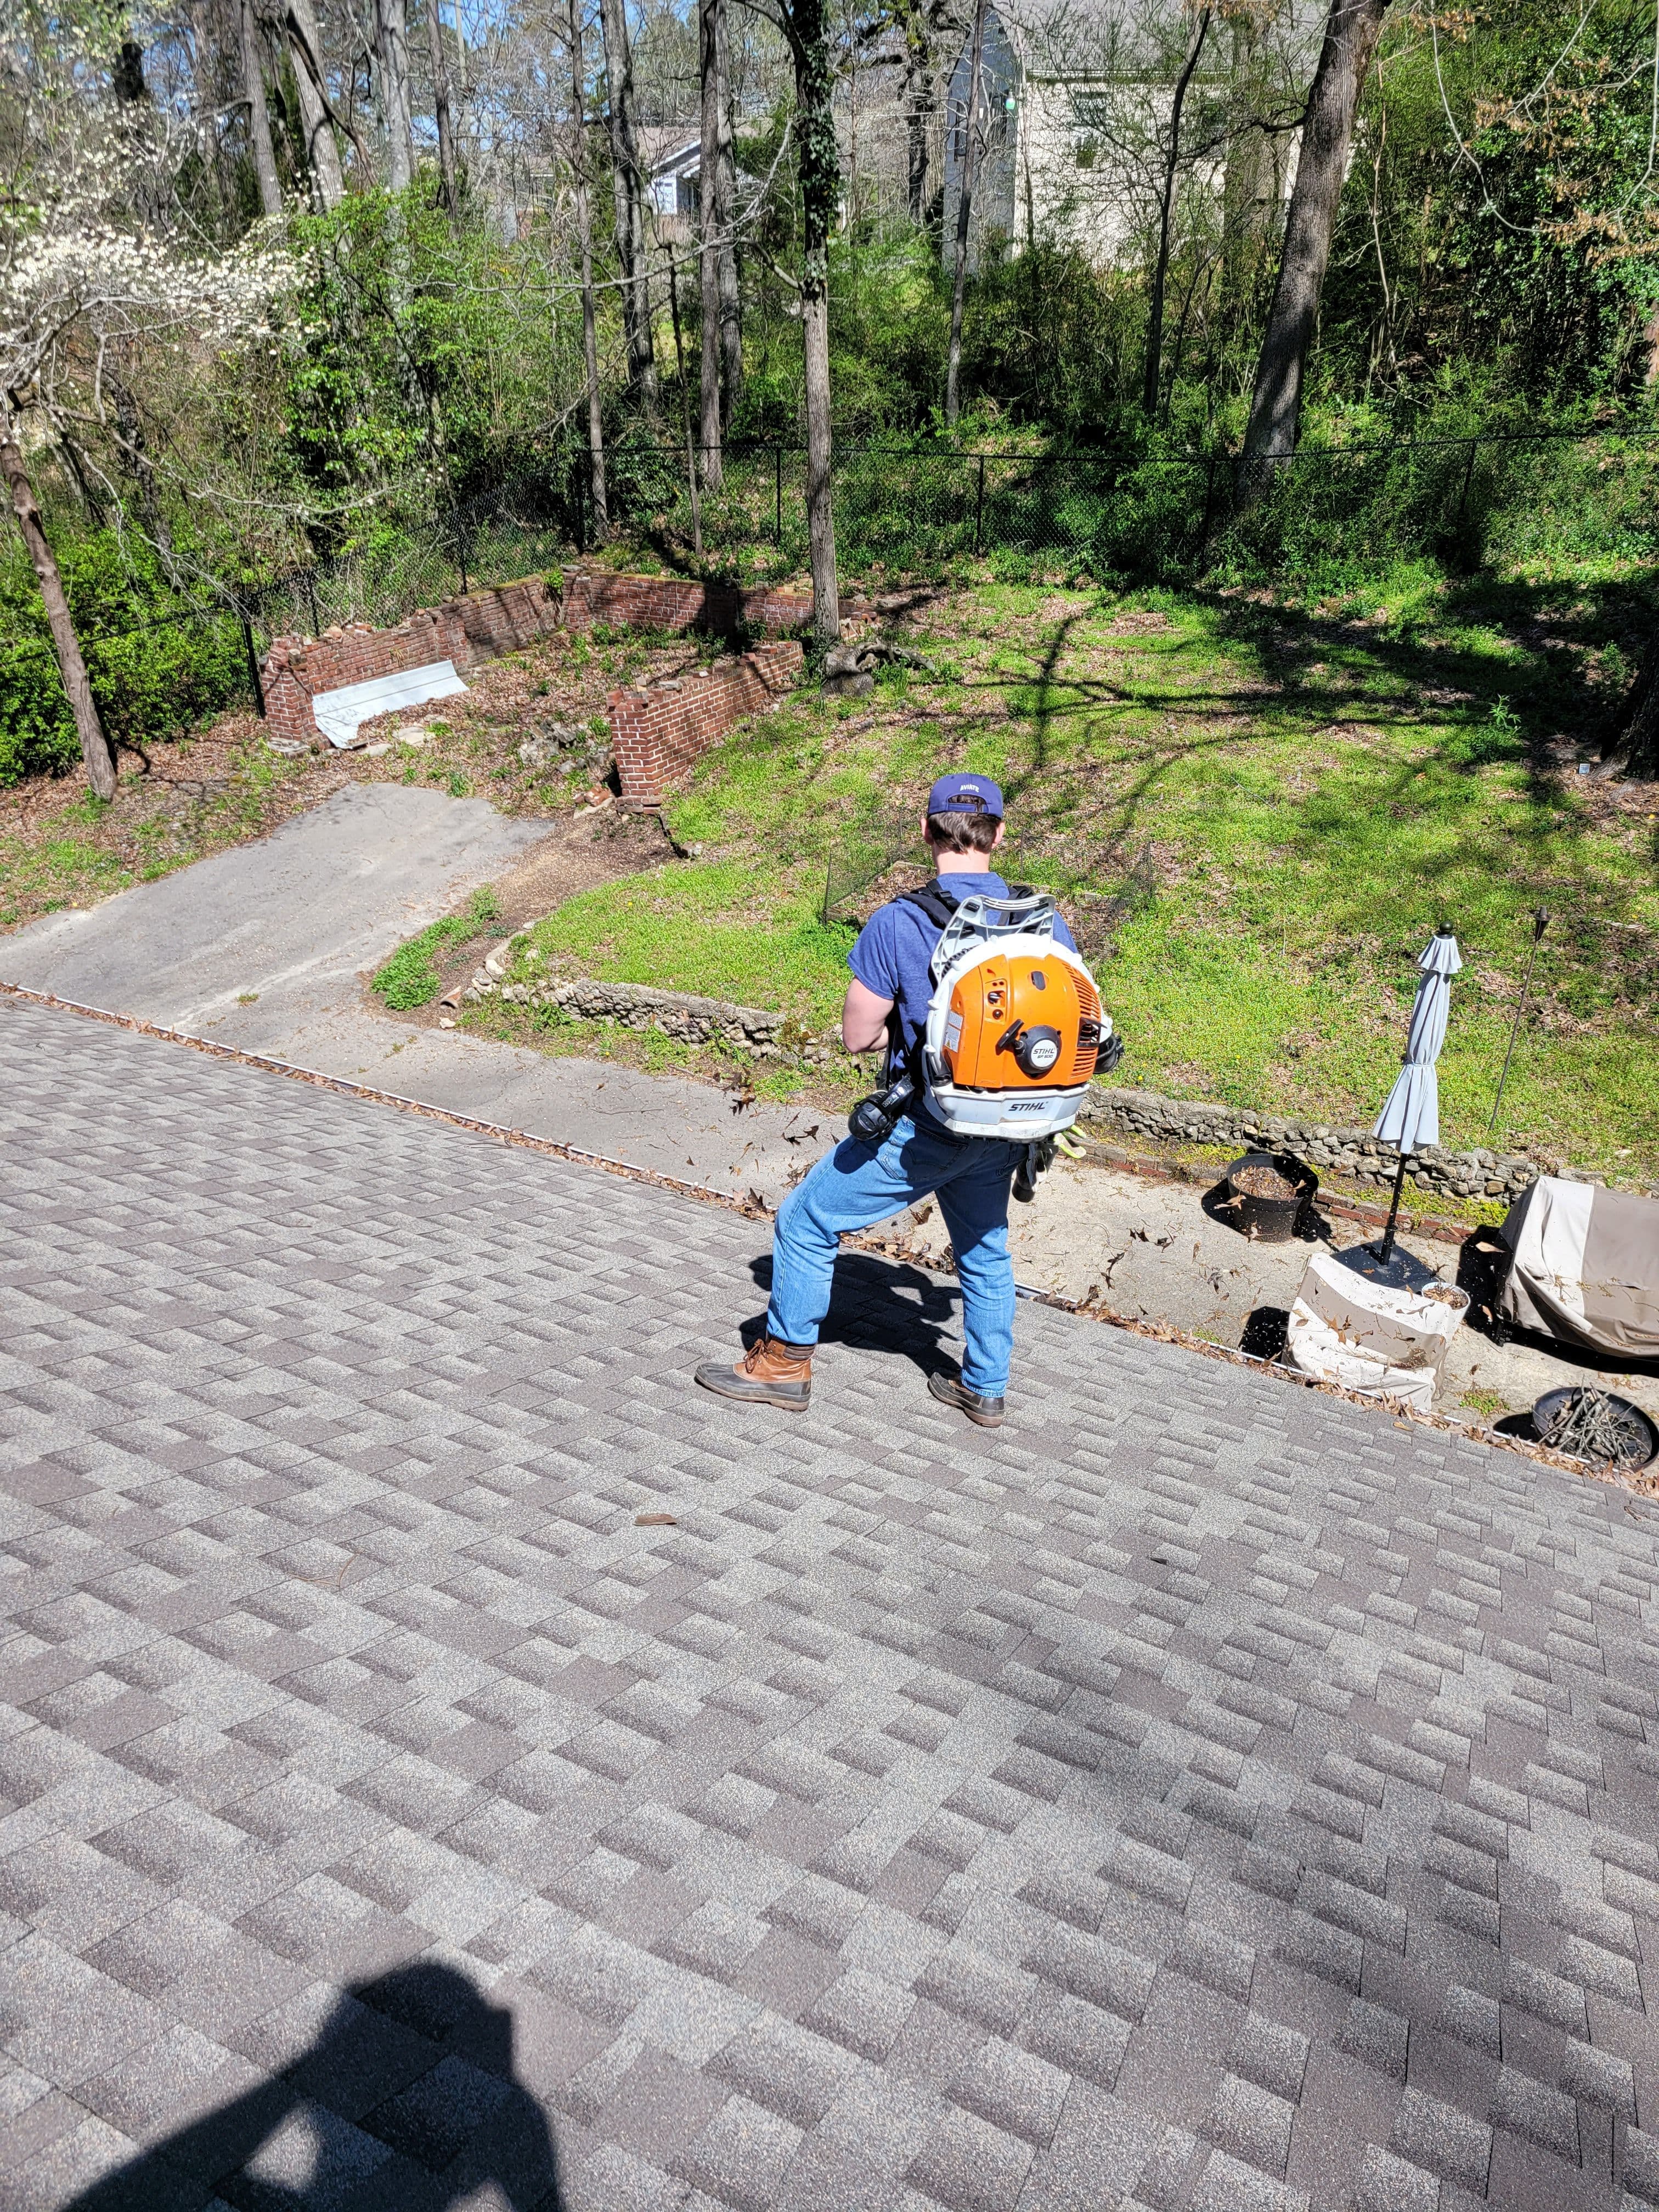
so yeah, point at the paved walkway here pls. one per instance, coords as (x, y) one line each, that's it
(1198, 1795)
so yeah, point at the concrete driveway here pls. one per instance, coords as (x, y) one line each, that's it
(266, 947)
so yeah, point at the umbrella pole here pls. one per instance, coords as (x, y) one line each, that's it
(1385, 1250)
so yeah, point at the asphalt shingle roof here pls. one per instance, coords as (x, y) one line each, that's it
(1199, 1796)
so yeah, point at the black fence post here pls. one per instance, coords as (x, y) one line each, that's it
(1469, 473)
(1209, 501)
(777, 494)
(979, 511)
(253, 667)
(311, 593)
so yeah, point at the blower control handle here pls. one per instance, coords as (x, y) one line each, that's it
(874, 1119)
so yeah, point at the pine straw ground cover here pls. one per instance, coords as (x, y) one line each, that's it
(220, 787)
(1259, 815)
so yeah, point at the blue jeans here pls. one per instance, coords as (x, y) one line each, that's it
(853, 1188)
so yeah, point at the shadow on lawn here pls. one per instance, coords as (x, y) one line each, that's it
(1448, 711)
(409, 2096)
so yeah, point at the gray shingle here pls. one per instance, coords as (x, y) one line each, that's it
(923, 1803)
(1429, 2132)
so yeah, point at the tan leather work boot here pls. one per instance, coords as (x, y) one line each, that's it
(768, 1374)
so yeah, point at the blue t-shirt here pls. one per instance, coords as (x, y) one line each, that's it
(895, 945)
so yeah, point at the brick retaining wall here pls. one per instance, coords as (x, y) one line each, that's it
(673, 603)
(464, 630)
(659, 731)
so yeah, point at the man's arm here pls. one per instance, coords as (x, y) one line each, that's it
(864, 1018)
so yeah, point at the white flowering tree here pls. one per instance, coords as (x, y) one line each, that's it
(95, 261)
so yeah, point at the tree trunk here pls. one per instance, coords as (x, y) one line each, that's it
(964, 216)
(1152, 373)
(391, 51)
(726, 210)
(95, 749)
(711, 30)
(434, 39)
(316, 115)
(131, 439)
(628, 187)
(692, 491)
(253, 91)
(584, 242)
(1352, 30)
(1246, 184)
(1635, 751)
(818, 165)
(918, 98)
(916, 102)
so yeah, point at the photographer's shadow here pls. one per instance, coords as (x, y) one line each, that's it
(879, 1305)
(408, 2098)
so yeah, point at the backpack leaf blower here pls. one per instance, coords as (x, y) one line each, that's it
(1014, 1033)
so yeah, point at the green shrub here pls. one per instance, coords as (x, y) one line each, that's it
(411, 977)
(153, 674)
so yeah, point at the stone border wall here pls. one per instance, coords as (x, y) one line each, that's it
(465, 630)
(673, 603)
(1354, 1153)
(660, 730)
(640, 1007)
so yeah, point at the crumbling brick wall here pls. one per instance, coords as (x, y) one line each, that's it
(671, 603)
(664, 737)
(464, 630)
(659, 730)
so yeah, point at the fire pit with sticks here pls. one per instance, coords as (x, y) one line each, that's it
(1595, 1424)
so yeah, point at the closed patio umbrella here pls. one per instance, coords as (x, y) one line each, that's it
(1411, 1115)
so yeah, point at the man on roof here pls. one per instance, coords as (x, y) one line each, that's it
(861, 1182)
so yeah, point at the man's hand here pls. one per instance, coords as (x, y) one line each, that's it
(863, 1018)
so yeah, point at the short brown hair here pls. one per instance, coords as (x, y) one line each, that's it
(960, 832)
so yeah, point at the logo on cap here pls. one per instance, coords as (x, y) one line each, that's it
(964, 795)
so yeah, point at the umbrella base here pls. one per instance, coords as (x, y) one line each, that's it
(1400, 1271)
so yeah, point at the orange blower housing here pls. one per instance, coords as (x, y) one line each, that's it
(1015, 1026)
(1022, 1023)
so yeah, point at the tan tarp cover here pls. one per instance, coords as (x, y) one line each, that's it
(1586, 1267)
(1372, 1337)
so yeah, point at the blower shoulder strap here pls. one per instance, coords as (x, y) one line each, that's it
(934, 901)
(938, 904)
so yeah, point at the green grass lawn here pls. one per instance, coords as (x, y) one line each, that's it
(1285, 803)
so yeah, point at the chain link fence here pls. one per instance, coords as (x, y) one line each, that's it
(1166, 515)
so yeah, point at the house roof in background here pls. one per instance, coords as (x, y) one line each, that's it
(1068, 40)
(667, 147)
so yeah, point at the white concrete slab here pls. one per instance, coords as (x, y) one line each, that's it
(341, 713)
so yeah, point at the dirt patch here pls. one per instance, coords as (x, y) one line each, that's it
(594, 848)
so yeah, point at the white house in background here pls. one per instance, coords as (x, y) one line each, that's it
(671, 155)
(1072, 95)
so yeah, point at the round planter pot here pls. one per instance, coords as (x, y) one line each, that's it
(1273, 1220)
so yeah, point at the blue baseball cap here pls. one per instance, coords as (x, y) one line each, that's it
(965, 794)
